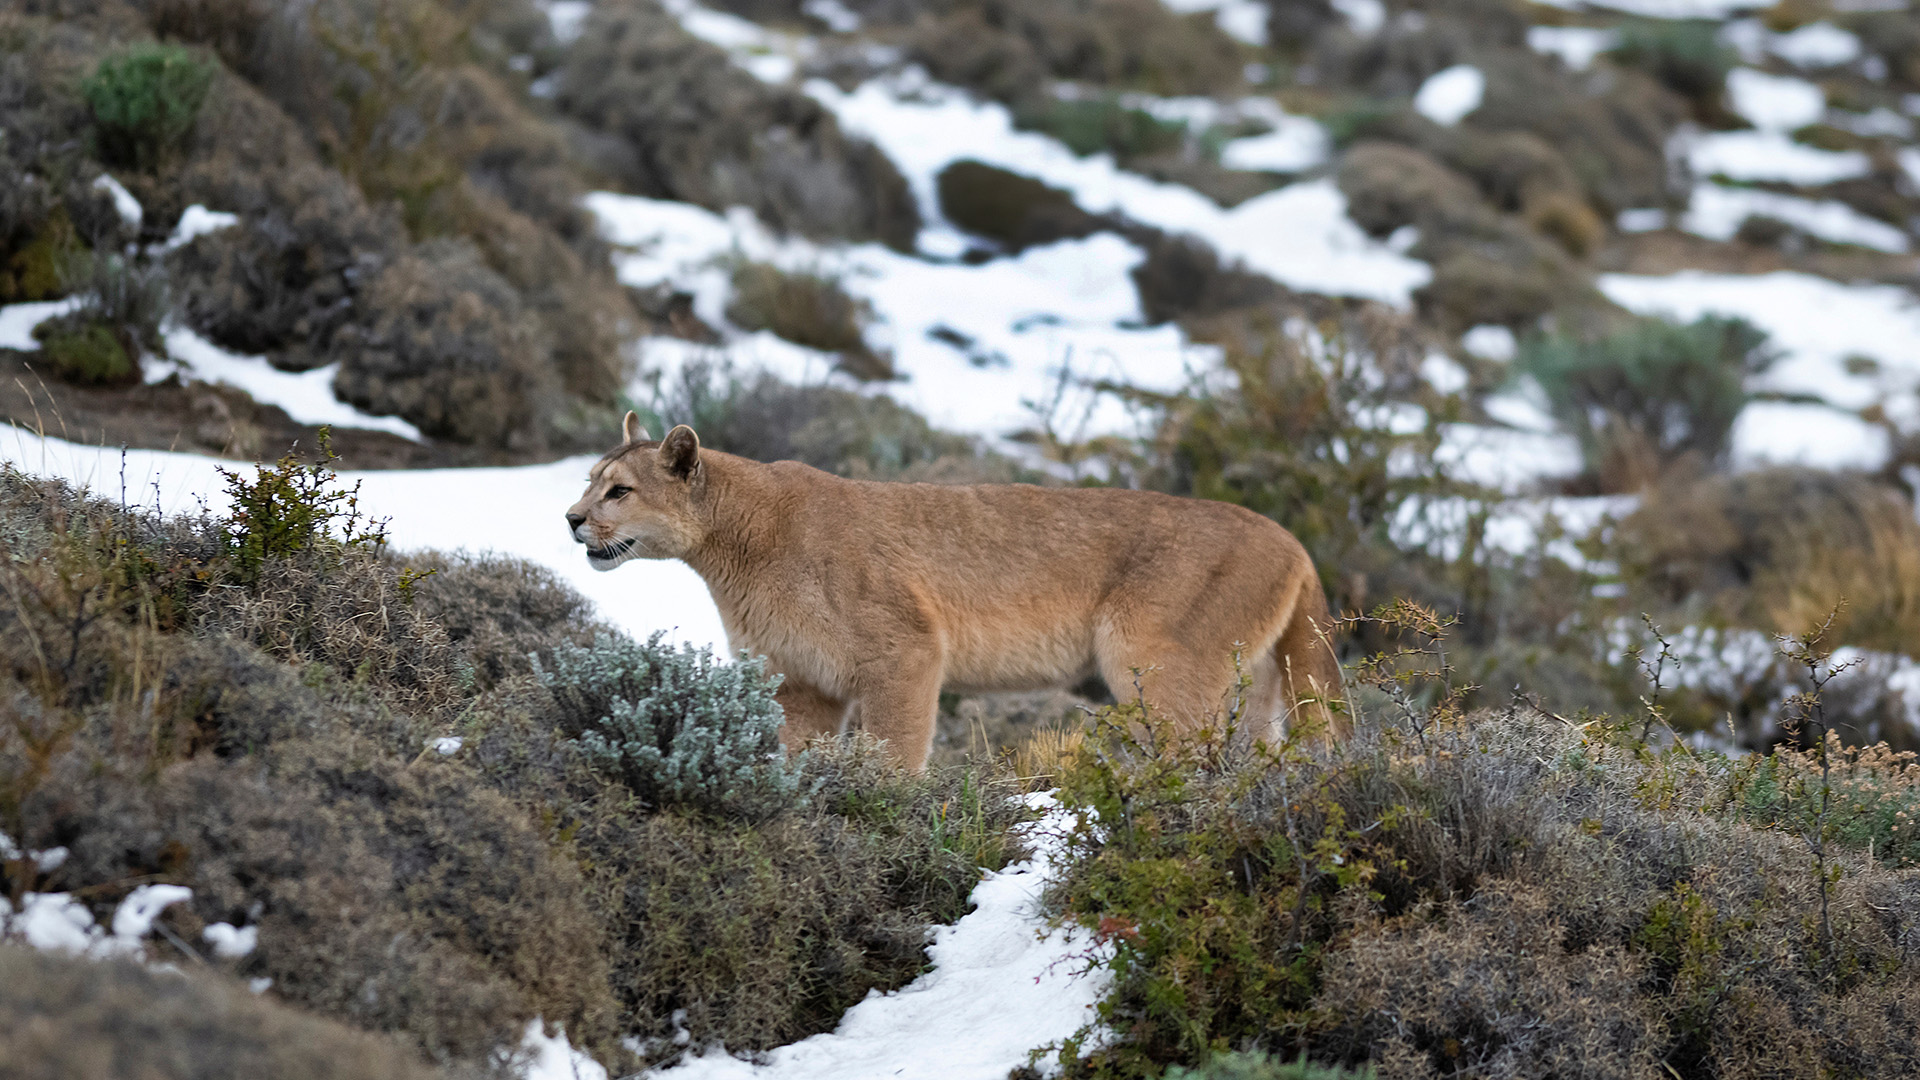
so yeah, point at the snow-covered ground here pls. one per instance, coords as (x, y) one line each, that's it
(1001, 986)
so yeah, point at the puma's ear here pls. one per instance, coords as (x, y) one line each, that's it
(630, 429)
(680, 450)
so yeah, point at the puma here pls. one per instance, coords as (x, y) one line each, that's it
(871, 598)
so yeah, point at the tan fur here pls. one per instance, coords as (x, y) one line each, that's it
(871, 598)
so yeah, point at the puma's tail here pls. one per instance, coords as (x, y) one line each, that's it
(1310, 669)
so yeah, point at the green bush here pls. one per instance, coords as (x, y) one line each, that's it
(145, 101)
(677, 727)
(1687, 56)
(291, 507)
(1092, 125)
(86, 351)
(1642, 397)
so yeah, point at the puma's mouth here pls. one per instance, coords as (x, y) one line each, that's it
(614, 551)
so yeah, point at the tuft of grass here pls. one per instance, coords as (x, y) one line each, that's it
(145, 101)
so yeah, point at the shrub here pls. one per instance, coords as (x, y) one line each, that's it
(145, 101)
(807, 309)
(121, 292)
(1103, 123)
(1775, 550)
(1643, 397)
(1018, 211)
(1184, 277)
(64, 1017)
(830, 428)
(1257, 1066)
(674, 725)
(1505, 895)
(291, 507)
(86, 351)
(1687, 56)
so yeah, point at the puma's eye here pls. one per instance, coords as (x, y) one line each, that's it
(618, 491)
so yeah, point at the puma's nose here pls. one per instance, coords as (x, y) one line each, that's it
(574, 520)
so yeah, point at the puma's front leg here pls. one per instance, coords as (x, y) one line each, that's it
(810, 714)
(900, 703)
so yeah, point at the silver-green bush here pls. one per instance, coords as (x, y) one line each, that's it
(678, 726)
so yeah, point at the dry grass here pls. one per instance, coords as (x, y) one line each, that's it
(1777, 549)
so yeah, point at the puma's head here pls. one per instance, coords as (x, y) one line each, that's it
(639, 500)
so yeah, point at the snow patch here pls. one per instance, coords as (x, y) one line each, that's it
(568, 18)
(1825, 330)
(1489, 342)
(1295, 144)
(1817, 45)
(1717, 213)
(124, 203)
(837, 17)
(1243, 20)
(1576, 46)
(56, 922)
(999, 987)
(1449, 95)
(18, 320)
(517, 512)
(552, 1057)
(1300, 235)
(306, 396)
(1770, 155)
(197, 221)
(1774, 102)
(231, 942)
(1364, 17)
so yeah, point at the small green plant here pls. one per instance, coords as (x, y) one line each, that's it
(1643, 397)
(676, 725)
(86, 351)
(1091, 125)
(1686, 55)
(145, 101)
(291, 507)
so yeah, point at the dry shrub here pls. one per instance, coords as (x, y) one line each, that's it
(1017, 211)
(1006, 49)
(272, 760)
(840, 431)
(807, 309)
(763, 932)
(1184, 277)
(1486, 989)
(498, 611)
(64, 1017)
(450, 346)
(1488, 266)
(691, 125)
(1505, 894)
(1777, 549)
